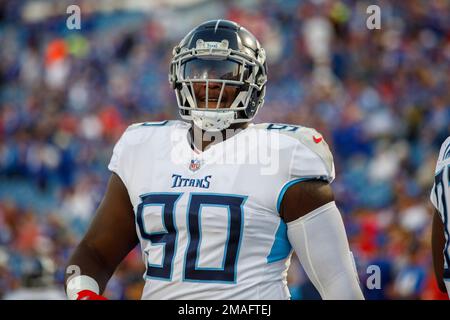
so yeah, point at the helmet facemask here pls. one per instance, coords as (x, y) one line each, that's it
(215, 85)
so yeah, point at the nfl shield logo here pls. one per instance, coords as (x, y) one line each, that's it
(194, 165)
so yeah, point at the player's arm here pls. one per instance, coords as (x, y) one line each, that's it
(438, 244)
(317, 234)
(111, 236)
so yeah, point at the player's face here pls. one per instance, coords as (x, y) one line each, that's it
(198, 69)
(228, 95)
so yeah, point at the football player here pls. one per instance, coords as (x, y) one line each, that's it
(440, 197)
(209, 228)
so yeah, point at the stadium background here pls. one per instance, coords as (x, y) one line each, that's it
(381, 99)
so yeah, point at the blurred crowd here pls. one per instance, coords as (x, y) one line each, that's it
(381, 99)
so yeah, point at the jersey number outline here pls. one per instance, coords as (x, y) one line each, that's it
(168, 237)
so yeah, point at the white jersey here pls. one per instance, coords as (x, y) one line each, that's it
(208, 222)
(440, 197)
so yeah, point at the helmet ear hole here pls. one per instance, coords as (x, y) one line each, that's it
(253, 104)
(261, 79)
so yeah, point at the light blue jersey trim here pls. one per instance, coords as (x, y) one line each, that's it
(200, 237)
(291, 183)
(142, 196)
(281, 247)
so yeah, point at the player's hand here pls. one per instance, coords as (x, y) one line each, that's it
(89, 295)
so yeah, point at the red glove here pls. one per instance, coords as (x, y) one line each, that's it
(89, 295)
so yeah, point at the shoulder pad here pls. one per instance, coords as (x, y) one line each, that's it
(308, 137)
(281, 127)
(148, 124)
(315, 142)
(138, 133)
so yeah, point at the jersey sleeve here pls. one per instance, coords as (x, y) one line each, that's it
(311, 158)
(121, 157)
(117, 159)
(124, 153)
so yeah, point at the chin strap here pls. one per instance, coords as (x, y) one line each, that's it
(212, 121)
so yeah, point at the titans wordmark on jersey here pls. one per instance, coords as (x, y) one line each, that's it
(440, 197)
(209, 223)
